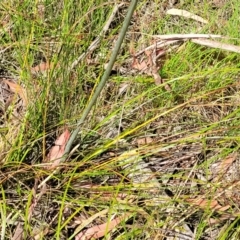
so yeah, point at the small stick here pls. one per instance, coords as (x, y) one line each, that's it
(160, 44)
(186, 36)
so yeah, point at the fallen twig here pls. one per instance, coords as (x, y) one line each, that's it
(159, 44)
(186, 36)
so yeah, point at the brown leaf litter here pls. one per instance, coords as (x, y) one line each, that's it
(57, 151)
(13, 104)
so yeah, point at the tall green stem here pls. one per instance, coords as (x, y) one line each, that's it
(105, 76)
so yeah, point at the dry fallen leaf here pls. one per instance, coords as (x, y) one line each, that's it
(222, 167)
(140, 66)
(18, 234)
(144, 141)
(215, 44)
(152, 60)
(204, 203)
(99, 231)
(57, 151)
(16, 88)
(149, 66)
(42, 67)
(186, 14)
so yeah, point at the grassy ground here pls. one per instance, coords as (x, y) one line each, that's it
(162, 164)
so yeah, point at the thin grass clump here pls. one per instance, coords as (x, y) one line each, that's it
(157, 157)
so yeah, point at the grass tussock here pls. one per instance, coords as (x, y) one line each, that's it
(148, 163)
